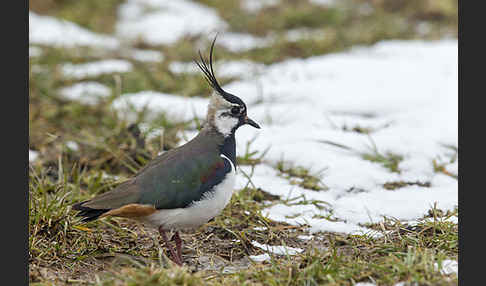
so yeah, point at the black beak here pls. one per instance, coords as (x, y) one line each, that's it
(251, 122)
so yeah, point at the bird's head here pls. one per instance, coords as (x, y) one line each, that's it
(226, 112)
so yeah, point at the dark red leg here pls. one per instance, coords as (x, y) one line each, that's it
(175, 258)
(178, 242)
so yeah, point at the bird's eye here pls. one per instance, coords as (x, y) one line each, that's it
(235, 110)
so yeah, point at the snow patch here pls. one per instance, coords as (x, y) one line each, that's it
(260, 258)
(74, 146)
(239, 42)
(94, 69)
(33, 155)
(164, 22)
(405, 91)
(49, 31)
(452, 219)
(146, 55)
(254, 6)
(278, 249)
(177, 107)
(183, 67)
(305, 237)
(326, 3)
(243, 69)
(448, 267)
(88, 92)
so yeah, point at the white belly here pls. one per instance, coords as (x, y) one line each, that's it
(198, 212)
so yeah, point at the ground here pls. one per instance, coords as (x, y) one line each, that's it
(351, 180)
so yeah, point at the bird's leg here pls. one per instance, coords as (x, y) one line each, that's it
(175, 258)
(178, 242)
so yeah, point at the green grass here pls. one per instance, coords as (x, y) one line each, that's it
(115, 251)
(401, 184)
(403, 256)
(301, 176)
(121, 252)
(388, 160)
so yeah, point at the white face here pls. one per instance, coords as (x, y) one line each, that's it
(227, 119)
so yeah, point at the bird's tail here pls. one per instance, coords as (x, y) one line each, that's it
(87, 213)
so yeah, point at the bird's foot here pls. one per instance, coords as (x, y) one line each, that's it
(178, 242)
(177, 258)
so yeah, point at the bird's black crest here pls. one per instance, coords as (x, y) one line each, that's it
(207, 68)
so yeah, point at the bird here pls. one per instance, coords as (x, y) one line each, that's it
(187, 186)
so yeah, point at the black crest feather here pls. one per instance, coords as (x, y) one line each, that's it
(207, 68)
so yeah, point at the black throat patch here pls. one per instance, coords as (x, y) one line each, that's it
(229, 148)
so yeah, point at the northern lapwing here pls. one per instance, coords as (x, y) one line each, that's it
(184, 187)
